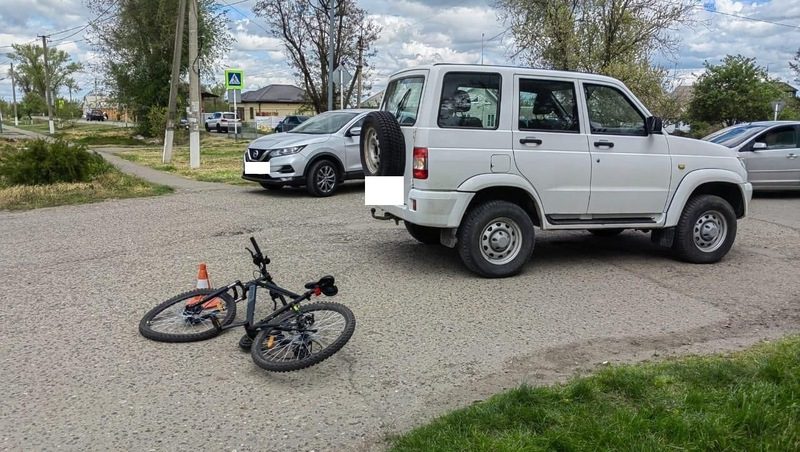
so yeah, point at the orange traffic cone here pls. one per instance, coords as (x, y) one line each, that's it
(202, 277)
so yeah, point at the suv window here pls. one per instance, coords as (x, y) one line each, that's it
(611, 112)
(217, 115)
(469, 100)
(548, 105)
(779, 138)
(402, 99)
(228, 116)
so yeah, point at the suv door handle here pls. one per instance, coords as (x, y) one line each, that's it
(791, 156)
(599, 144)
(529, 140)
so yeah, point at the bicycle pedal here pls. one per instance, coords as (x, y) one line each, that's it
(216, 323)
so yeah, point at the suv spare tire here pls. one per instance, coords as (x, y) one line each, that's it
(383, 149)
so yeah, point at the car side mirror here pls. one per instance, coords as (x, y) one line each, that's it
(653, 124)
(354, 132)
(759, 146)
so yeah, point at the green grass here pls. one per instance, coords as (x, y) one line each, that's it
(94, 134)
(111, 185)
(220, 160)
(746, 401)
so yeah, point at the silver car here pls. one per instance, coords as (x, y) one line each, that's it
(320, 153)
(770, 151)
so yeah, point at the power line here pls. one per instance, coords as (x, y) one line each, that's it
(91, 22)
(748, 18)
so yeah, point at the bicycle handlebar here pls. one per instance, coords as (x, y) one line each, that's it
(263, 259)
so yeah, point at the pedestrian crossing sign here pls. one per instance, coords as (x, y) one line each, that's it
(234, 79)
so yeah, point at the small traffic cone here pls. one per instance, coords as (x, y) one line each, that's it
(202, 277)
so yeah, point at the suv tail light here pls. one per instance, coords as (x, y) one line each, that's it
(420, 163)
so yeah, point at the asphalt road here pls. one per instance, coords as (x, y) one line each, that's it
(430, 336)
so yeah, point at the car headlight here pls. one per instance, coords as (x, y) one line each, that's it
(285, 151)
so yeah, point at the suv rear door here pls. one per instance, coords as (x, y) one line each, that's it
(631, 170)
(550, 148)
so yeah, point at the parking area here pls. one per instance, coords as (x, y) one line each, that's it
(430, 336)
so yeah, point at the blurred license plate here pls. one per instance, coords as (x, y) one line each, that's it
(256, 167)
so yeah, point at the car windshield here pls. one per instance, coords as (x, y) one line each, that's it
(325, 123)
(734, 135)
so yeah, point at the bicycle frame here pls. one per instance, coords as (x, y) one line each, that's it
(249, 291)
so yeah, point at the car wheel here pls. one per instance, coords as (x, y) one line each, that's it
(423, 234)
(382, 147)
(606, 232)
(706, 230)
(322, 179)
(496, 239)
(271, 185)
(219, 129)
(208, 129)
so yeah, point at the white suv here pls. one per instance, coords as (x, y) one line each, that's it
(489, 152)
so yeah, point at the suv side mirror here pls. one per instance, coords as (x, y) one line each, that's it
(759, 146)
(354, 132)
(653, 124)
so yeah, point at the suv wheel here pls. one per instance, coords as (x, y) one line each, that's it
(208, 129)
(219, 129)
(423, 234)
(706, 230)
(322, 178)
(496, 239)
(383, 149)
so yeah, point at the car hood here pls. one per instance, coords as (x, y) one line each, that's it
(283, 140)
(691, 146)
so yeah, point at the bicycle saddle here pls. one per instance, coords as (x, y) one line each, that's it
(326, 284)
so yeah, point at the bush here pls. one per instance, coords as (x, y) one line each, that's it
(156, 122)
(41, 163)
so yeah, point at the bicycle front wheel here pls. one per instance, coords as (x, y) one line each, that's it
(308, 337)
(174, 321)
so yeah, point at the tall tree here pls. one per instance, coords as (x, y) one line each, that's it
(136, 47)
(612, 37)
(29, 68)
(735, 91)
(303, 27)
(795, 65)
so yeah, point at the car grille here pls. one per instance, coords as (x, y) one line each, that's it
(257, 155)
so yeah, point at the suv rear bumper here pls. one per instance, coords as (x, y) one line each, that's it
(439, 209)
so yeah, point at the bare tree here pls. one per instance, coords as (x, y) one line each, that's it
(302, 25)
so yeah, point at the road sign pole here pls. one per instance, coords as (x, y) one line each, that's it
(341, 90)
(776, 112)
(235, 114)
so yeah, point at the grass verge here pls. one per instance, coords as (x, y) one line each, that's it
(746, 401)
(94, 134)
(110, 185)
(220, 160)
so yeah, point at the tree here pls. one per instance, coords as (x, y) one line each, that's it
(136, 45)
(735, 91)
(610, 37)
(303, 27)
(32, 104)
(72, 87)
(29, 68)
(795, 65)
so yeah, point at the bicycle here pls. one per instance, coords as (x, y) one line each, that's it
(292, 337)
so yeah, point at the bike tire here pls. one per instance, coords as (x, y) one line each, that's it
(203, 331)
(262, 354)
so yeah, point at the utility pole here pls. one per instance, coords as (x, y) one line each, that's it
(14, 95)
(48, 97)
(332, 6)
(359, 68)
(169, 134)
(194, 89)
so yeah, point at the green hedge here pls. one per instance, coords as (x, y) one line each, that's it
(43, 163)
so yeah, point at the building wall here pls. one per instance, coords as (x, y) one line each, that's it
(256, 109)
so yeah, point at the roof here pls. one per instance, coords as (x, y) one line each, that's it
(287, 94)
(514, 70)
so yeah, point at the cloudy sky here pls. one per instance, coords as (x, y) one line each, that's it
(424, 31)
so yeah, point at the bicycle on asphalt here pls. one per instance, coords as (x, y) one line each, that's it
(294, 336)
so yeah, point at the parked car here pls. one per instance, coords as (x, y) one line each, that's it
(770, 151)
(320, 153)
(95, 115)
(290, 122)
(487, 153)
(222, 121)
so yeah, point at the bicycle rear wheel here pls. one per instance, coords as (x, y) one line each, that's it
(173, 321)
(312, 335)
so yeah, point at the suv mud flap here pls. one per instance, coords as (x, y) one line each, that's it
(663, 237)
(447, 237)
